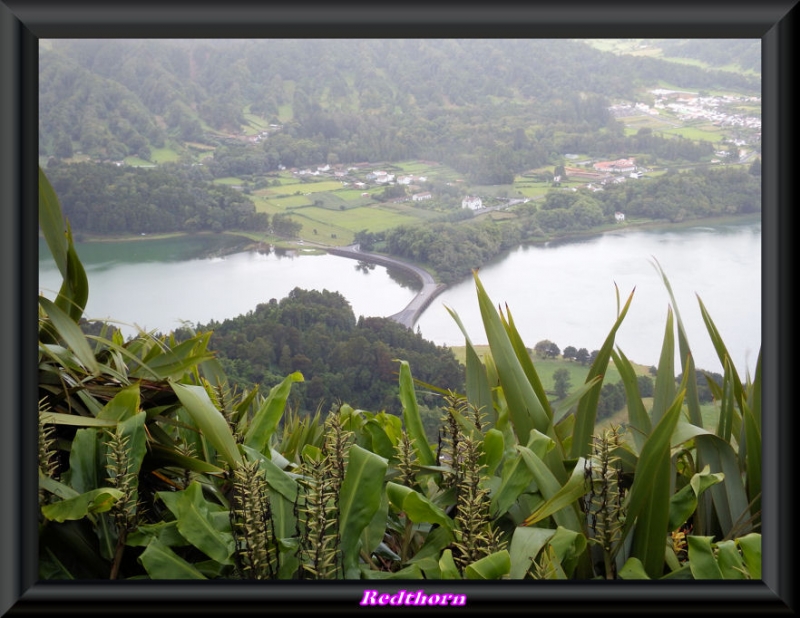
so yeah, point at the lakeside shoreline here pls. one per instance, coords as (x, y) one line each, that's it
(616, 227)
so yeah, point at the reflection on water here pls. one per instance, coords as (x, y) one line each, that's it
(564, 291)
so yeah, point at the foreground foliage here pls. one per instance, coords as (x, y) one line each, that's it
(153, 465)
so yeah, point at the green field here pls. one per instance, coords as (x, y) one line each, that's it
(163, 155)
(228, 180)
(371, 218)
(705, 133)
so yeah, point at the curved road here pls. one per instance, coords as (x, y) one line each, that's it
(430, 289)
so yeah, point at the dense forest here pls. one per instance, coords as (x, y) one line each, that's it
(107, 199)
(487, 108)
(341, 358)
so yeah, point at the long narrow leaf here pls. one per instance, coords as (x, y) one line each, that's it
(479, 391)
(266, 419)
(412, 418)
(359, 499)
(649, 497)
(71, 334)
(638, 418)
(525, 410)
(586, 414)
(550, 488)
(209, 420)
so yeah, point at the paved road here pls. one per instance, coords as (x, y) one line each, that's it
(430, 289)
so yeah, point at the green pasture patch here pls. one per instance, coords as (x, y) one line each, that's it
(228, 180)
(265, 205)
(373, 219)
(317, 187)
(285, 112)
(199, 146)
(162, 155)
(257, 122)
(290, 201)
(696, 133)
(350, 195)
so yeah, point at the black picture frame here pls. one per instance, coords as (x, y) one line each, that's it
(24, 22)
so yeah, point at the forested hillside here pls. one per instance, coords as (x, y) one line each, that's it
(106, 199)
(341, 358)
(488, 108)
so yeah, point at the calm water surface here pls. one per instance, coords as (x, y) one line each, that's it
(564, 292)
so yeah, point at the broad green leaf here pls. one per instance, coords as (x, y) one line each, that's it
(730, 560)
(373, 534)
(85, 457)
(701, 557)
(436, 541)
(750, 544)
(266, 419)
(493, 566)
(417, 507)
(526, 543)
(569, 546)
(516, 478)
(69, 331)
(493, 448)
(276, 478)
(447, 566)
(412, 418)
(684, 502)
(123, 405)
(161, 562)
(379, 441)
(633, 569)
(97, 500)
(209, 420)
(359, 499)
(195, 523)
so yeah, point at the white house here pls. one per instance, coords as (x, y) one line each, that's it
(619, 216)
(472, 202)
(418, 197)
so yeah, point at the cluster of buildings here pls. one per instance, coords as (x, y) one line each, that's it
(380, 177)
(719, 110)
